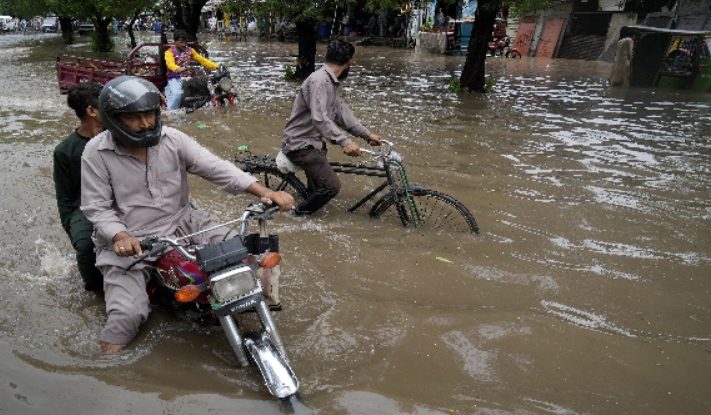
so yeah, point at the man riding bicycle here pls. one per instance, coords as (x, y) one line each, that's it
(317, 113)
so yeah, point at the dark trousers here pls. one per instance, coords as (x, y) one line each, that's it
(323, 184)
(80, 230)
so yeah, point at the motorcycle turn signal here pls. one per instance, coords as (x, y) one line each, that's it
(270, 260)
(187, 293)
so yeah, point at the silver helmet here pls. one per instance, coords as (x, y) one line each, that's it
(127, 94)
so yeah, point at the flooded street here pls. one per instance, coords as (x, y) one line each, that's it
(587, 292)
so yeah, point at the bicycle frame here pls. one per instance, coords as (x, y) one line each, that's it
(415, 205)
(360, 170)
(385, 171)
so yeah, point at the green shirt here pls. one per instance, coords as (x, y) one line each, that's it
(67, 177)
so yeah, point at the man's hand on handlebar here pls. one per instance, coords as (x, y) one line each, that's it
(282, 199)
(374, 140)
(126, 245)
(352, 149)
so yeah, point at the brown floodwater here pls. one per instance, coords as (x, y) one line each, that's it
(587, 292)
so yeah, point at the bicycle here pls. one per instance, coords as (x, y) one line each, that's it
(412, 203)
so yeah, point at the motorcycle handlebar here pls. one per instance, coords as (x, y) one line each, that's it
(155, 245)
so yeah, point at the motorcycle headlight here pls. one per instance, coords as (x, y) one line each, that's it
(233, 283)
(226, 83)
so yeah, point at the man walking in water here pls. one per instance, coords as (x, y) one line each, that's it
(317, 113)
(621, 70)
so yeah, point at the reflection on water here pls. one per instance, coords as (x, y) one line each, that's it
(586, 293)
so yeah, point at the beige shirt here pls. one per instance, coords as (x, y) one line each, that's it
(120, 193)
(623, 60)
(317, 113)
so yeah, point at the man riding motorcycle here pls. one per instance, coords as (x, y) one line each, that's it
(134, 184)
(177, 60)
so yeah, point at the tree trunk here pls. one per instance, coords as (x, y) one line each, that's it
(67, 30)
(101, 40)
(193, 18)
(179, 21)
(306, 61)
(473, 76)
(187, 16)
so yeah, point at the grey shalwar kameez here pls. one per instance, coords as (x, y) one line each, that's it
(120, 193)
(317, 114)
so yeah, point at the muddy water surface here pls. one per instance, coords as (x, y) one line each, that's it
(587, 292)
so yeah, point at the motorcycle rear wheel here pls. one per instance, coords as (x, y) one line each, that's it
(513, 54)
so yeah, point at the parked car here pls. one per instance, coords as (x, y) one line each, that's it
(85, 28)
(7, 23)
(50, 24)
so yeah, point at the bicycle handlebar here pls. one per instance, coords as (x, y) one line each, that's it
(384, 151)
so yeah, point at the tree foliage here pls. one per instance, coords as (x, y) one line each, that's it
(307, 14)
(100, 12)
(520, 8)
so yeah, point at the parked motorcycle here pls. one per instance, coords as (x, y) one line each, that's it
(501, 46)
(224, 280)
(201, 89)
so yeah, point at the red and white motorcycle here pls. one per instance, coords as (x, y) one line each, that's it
(223, 280)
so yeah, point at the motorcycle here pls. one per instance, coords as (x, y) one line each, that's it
(201, 89)
(223, 280)
(501, 46)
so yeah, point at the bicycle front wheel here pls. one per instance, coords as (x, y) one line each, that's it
(436, 211)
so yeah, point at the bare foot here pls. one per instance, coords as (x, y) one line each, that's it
(108, 348)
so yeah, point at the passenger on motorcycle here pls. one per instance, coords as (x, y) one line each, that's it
(83, 98)
(134, 184)
(177, 59)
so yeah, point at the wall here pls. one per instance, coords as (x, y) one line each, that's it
(559, 10)
(617, 21)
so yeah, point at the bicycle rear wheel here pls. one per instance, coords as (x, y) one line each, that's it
(276, 180)
(436, 211)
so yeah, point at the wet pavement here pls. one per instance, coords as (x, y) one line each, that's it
(587, 291)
